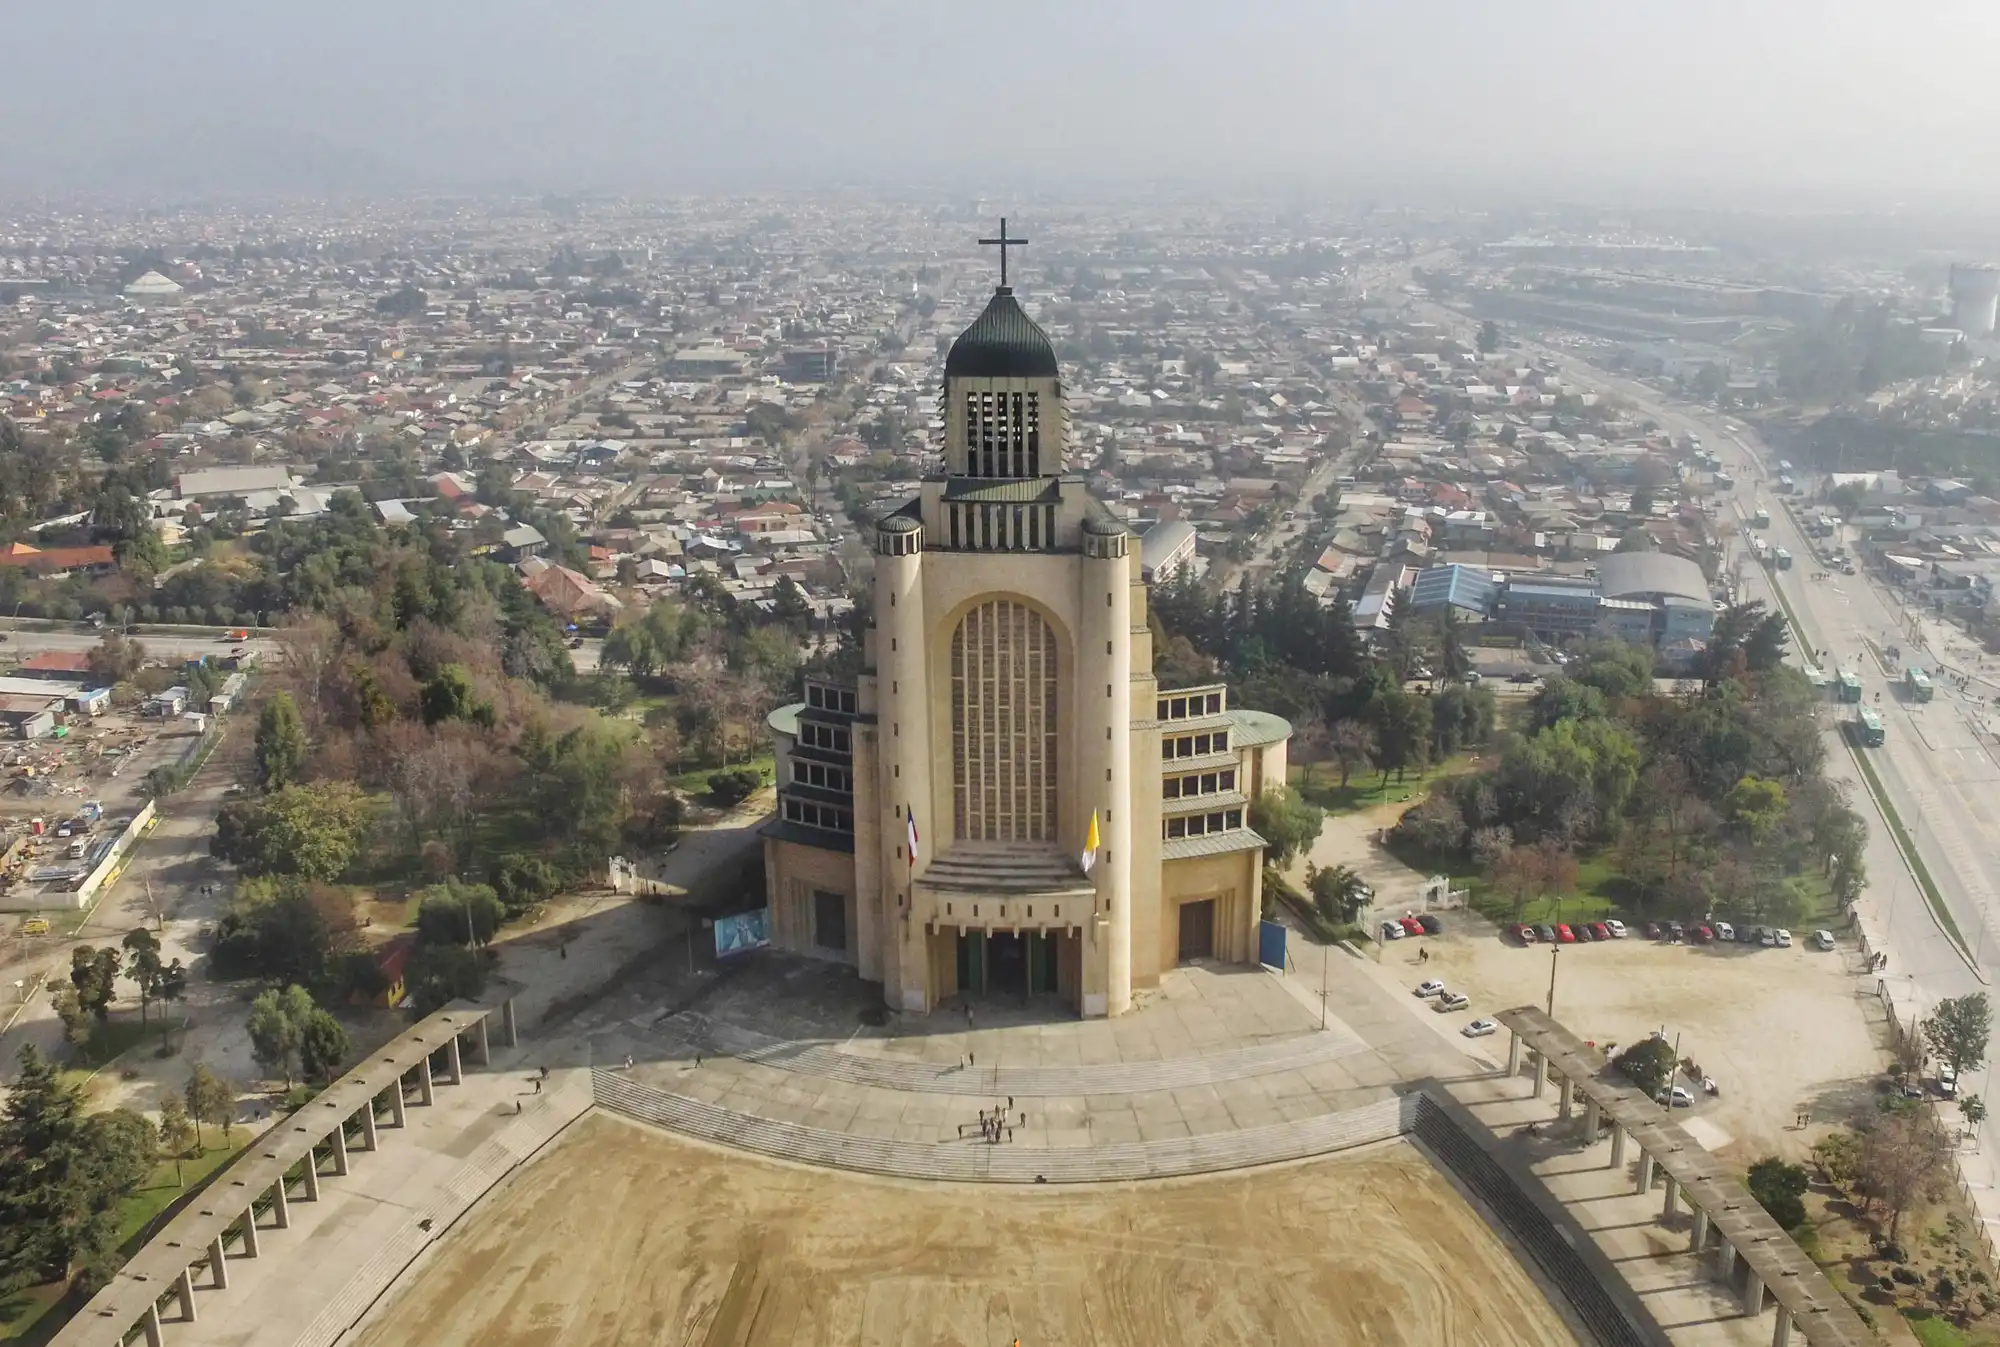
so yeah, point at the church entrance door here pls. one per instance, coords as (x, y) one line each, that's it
(1009, 973)
(1198, 930)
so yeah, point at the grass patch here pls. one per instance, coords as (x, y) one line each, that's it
(1369, 790)
(1933, 1331)
(1908, 846)
(693, 783)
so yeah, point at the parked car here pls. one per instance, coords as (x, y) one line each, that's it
(1702, 934)
(1428, 987)
(1822, 939)
(1392, 930)
(1564, 934)
(1768, 937)
(1782, 938)
(1676, 1096)
(1431, 925)
(1724, 931)
(1480, 1028)
(1947, 1081)
(1411, 926)
(1600, 931)
(1452, 1001)
(1654, 930)
(1747, 934)
(1546, 934)
(1616, 927)
(1525, 934)
(1675, 933)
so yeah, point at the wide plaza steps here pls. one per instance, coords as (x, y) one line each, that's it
(996, 871)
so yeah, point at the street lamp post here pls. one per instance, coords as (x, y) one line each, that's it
(1555, 946)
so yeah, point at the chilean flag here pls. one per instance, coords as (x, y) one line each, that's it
(911, 815)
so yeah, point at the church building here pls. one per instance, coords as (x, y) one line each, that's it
(1005, 803)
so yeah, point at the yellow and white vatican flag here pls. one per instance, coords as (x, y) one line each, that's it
(1090, 844)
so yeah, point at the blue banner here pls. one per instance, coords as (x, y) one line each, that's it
(743, 932)
(1271, 944)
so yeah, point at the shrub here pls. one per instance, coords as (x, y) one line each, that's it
(1649, 1064)
(734, 786)
(520, 881)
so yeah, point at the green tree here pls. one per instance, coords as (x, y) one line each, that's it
(323, 1045)
(63, 1176)
(449, 695)
(1338, 892)
(313, 831)
(521, 880)
(1489, 337)
(277, 1025)
(178, 1134)
(115, 658)
(1288, 825)
(458, 913)
(733, 787)
(1756, 806)
(788, 602)
(437, 975)
(1780, 1189)
(1352, 745)
(94, 974)
(1649, 1064)
(144, 966)
(282, 747)
(1957, 1032)
(209, 1099)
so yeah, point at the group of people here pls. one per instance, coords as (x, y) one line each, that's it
(996, 1124)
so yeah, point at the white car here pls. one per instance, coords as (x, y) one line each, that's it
(1783, 938)
(1822, 939)
(1392, 930)
(1616, 927)
(1725, 932)
(1431, 987)
(1480, 1028)
(1947, 1081)
(1677, 1096)
(1452, 1001)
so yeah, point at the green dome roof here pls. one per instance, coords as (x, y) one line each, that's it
(1002, 343)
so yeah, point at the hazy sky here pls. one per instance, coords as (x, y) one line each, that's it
(1657, 100)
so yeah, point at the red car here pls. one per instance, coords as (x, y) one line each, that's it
(1599, 931)
(1525, 934)
(1411, 926)
(1564, 935)
(1702, 935)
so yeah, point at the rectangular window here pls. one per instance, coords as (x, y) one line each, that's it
(1215, 703)
(812, 696)
(1208, 783)
(1161, 714)
(1201, 742)
(1171, 788)
(847, 702)
(1177, 827)
(1179, 711)
(1234, 818)
(1228, 779)
(1034, 420)
(1221, 742)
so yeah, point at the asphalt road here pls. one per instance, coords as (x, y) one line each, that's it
(182, 643)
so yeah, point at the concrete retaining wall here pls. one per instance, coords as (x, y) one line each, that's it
(102, 876)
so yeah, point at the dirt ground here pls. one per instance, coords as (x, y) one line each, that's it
(1782, 1031)
(624, 1234)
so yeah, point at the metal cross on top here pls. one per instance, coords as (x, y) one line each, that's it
(1003, 243)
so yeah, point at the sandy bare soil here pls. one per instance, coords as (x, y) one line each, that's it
(1780, 1030)
(628, 1235)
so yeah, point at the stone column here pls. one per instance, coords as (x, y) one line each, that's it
(397, 1103)
(1103, 720)
(454, 1061)
(1590, 1120)
(185, 1285)
(1645, 1171)
(1700, 1235)
(1725, 1261)
(483, 1051)
(895, 947)
(1513, 1053)
(507, 1024)
(368, 1140)
(250, 1232)
(337, 1138)
(281, 1206)
(1753, 1293)
(217, 1266)
(1781, 1336)
(424, 1081)
(312, 1173)
(1539, 1064)
(1618, 1135)
(1672, 1204)
(1566, 1098)
(150, 1321)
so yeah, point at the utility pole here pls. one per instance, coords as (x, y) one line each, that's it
(1554, 948)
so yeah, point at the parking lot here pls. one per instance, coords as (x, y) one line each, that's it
(1783, 1032)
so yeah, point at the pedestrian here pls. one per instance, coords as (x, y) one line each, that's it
(538, 1086)
(970, 1060)
(563, 950)
(1010, 1101)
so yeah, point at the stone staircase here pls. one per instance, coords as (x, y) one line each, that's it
(1529, 1228)
(829, 1061)
(539, 1123)
(1012, 872)
(975, 1161)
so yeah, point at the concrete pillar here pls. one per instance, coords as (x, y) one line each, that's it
(507, 1023)
(150, 1321)
(312, 1173)
(338, 1139)
(368, 1125)
(1590, 1120)
(281, 1206)
(250, 1232)
(902, 769)
(218, 1267)
(1540, 1065)
(1781, 1336)
(1566, 1103)
(452, 1059)
(1753, 1293)
(1645, 1171)
(1101, 713)
(185, 1285)
(1700, 1235)
(1725, 1261)
(397, 1103)
(485, 1049)
(1618, 1135)
(424, 1080)
(1672, 1204)
(1513, 1054)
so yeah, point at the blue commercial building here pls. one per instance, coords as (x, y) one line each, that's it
(1465, 588)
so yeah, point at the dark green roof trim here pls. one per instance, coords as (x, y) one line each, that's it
(1015, 491)
(1002, 343)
